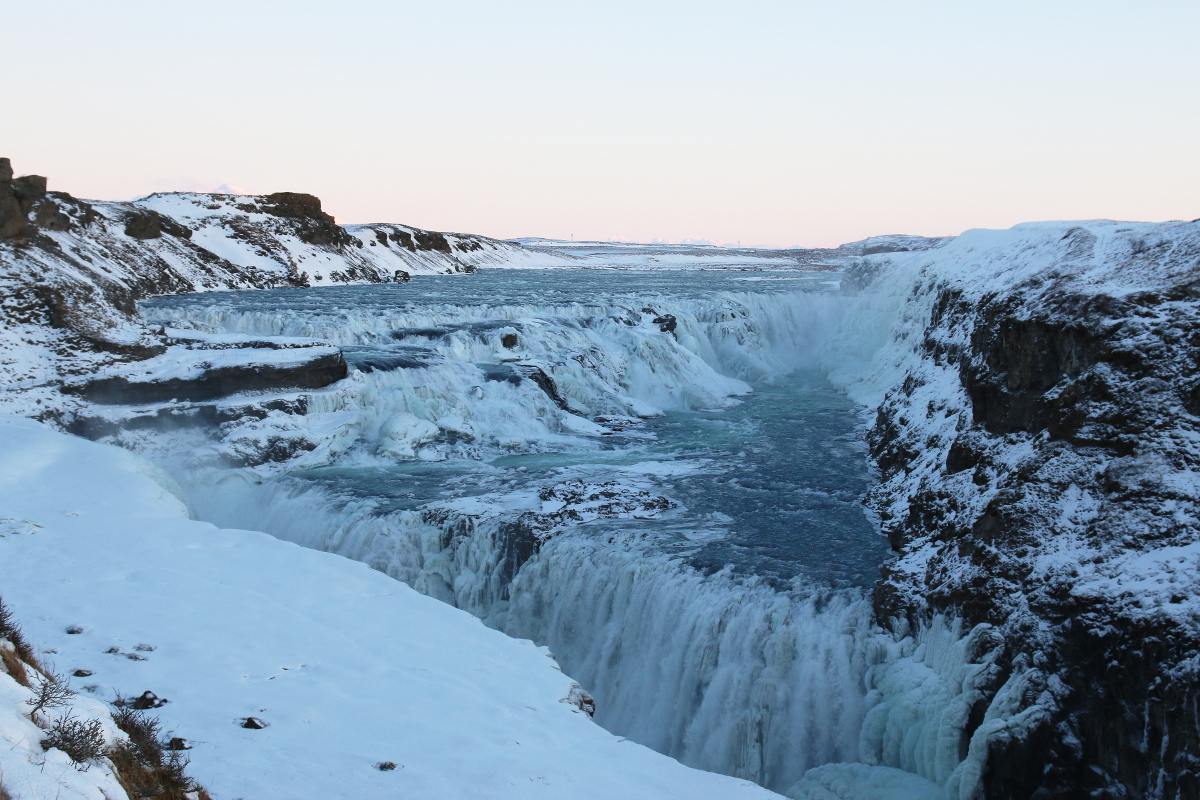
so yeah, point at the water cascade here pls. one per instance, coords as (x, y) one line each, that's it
(595, 462)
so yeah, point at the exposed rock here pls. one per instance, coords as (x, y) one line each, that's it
(581, 700)
(322, 369)
(276, 438)
(430, 240)
(319, 228)
(103, 421)
(515, 373)
(49, 217)
(12, 219)
(146, 701)
(28, 190)
(151, 225)
(1037, 465)
(666, 323)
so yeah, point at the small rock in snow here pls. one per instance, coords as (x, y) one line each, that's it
(148, 699)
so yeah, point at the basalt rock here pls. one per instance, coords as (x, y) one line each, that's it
(49, 217)
(317, 227)
(12, 218)
(221, 381)
(1067, 462)
(28, 190)
(151, 225)
(429, 240)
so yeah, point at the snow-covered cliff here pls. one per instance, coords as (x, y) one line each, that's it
(71, 270)
(1037, 435)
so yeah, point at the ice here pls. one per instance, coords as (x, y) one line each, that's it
(862, 782)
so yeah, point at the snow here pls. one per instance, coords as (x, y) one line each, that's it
(29, 773)
(348, 667)
(186, 363)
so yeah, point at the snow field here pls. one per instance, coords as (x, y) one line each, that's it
(348, 667)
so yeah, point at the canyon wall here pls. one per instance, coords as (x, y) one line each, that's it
(1038, 442)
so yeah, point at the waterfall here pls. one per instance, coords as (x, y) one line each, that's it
(725, 671)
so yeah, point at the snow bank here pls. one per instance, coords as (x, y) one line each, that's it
(29, 773)
(349, 668)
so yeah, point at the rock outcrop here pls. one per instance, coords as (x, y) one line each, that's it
(1039, 456)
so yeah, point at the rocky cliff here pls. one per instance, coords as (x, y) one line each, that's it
(72, 271)
(1038, 445)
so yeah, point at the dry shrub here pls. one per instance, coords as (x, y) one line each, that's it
(52, 691)
(9, 629)
(15, 667)
(81, 739)
(144, 765)
(17, 659)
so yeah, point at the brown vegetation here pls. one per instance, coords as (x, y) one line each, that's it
(145, 767)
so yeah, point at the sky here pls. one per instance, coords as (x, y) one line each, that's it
(760, 122)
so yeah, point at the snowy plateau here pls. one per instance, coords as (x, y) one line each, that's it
(373, 511)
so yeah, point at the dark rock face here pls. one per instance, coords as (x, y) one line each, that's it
(96, 424)
(49, 217)
(12, 217)
(29, 190)
(666, 323)
(515, 373)
(147, 224)
(217, 382)
(1072, 454)
(317, 227)
(429, 240)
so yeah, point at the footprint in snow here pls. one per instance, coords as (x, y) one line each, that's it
(14, 526)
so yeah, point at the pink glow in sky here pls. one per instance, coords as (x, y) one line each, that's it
(769, 123)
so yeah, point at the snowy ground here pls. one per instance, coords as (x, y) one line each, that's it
(349, 668)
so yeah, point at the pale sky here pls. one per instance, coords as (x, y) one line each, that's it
(769, 123)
